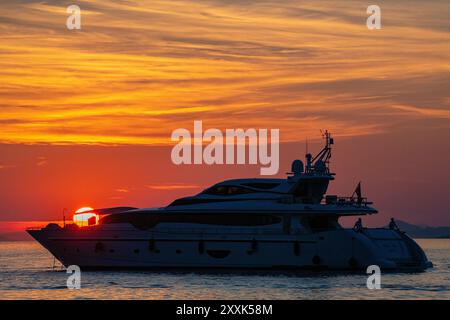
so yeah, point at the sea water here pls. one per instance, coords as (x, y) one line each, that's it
(26, 272)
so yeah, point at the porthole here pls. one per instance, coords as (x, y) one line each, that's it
(201, 247)
(99, 247)
(218, 254)
(352, 262)
(296, 248)
(316, 260)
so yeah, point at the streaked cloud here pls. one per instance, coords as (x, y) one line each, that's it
(173, 186)
(6, 166)
(429, 112)
(139, 69)
(41, 161)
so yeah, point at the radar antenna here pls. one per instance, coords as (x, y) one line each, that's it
(325, 154)
(322, 159)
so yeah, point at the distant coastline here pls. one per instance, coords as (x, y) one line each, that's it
(424, 232)
(15, 236)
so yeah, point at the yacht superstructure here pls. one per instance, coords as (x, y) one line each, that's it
(242, 223)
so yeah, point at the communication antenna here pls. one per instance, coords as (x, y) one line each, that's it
(325, 154)
(306, 145)
(64, 216)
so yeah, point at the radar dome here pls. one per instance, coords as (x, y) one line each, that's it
(297, 167)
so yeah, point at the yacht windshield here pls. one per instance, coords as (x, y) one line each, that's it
(227, 190)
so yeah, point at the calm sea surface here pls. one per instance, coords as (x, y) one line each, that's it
(26, 273)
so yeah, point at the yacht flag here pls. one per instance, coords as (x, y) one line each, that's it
(358, 192)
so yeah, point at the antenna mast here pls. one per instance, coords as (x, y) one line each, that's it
(325, 154)
(64, 217)
(306, 145)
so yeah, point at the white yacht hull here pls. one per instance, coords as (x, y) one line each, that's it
(342, 249)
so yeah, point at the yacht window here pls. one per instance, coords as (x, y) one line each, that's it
(217, 190)
(311, 191)
(225, 220)
(322, 223)
(146, 221)
(262, 185)
(238, 190)
(227, 190)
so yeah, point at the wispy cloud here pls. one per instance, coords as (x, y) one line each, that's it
(428, 112)
(41, 161)
(139, 69)
(174, 186)
(6, 166)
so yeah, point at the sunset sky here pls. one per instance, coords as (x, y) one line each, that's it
(86, 115)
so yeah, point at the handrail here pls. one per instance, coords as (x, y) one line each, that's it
(217, 231)
(347, 201)
(35, 228)
(184, 230)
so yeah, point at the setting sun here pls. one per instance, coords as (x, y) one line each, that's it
(84, 209)
(84, 217)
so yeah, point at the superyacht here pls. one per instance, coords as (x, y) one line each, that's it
(289, 223)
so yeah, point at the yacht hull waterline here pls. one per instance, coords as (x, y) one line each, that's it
(273, 224)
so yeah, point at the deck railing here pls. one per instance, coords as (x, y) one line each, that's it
(346, 201)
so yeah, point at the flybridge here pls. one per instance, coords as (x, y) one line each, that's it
(221, 147)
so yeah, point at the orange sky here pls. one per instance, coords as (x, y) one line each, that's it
(140, 69)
